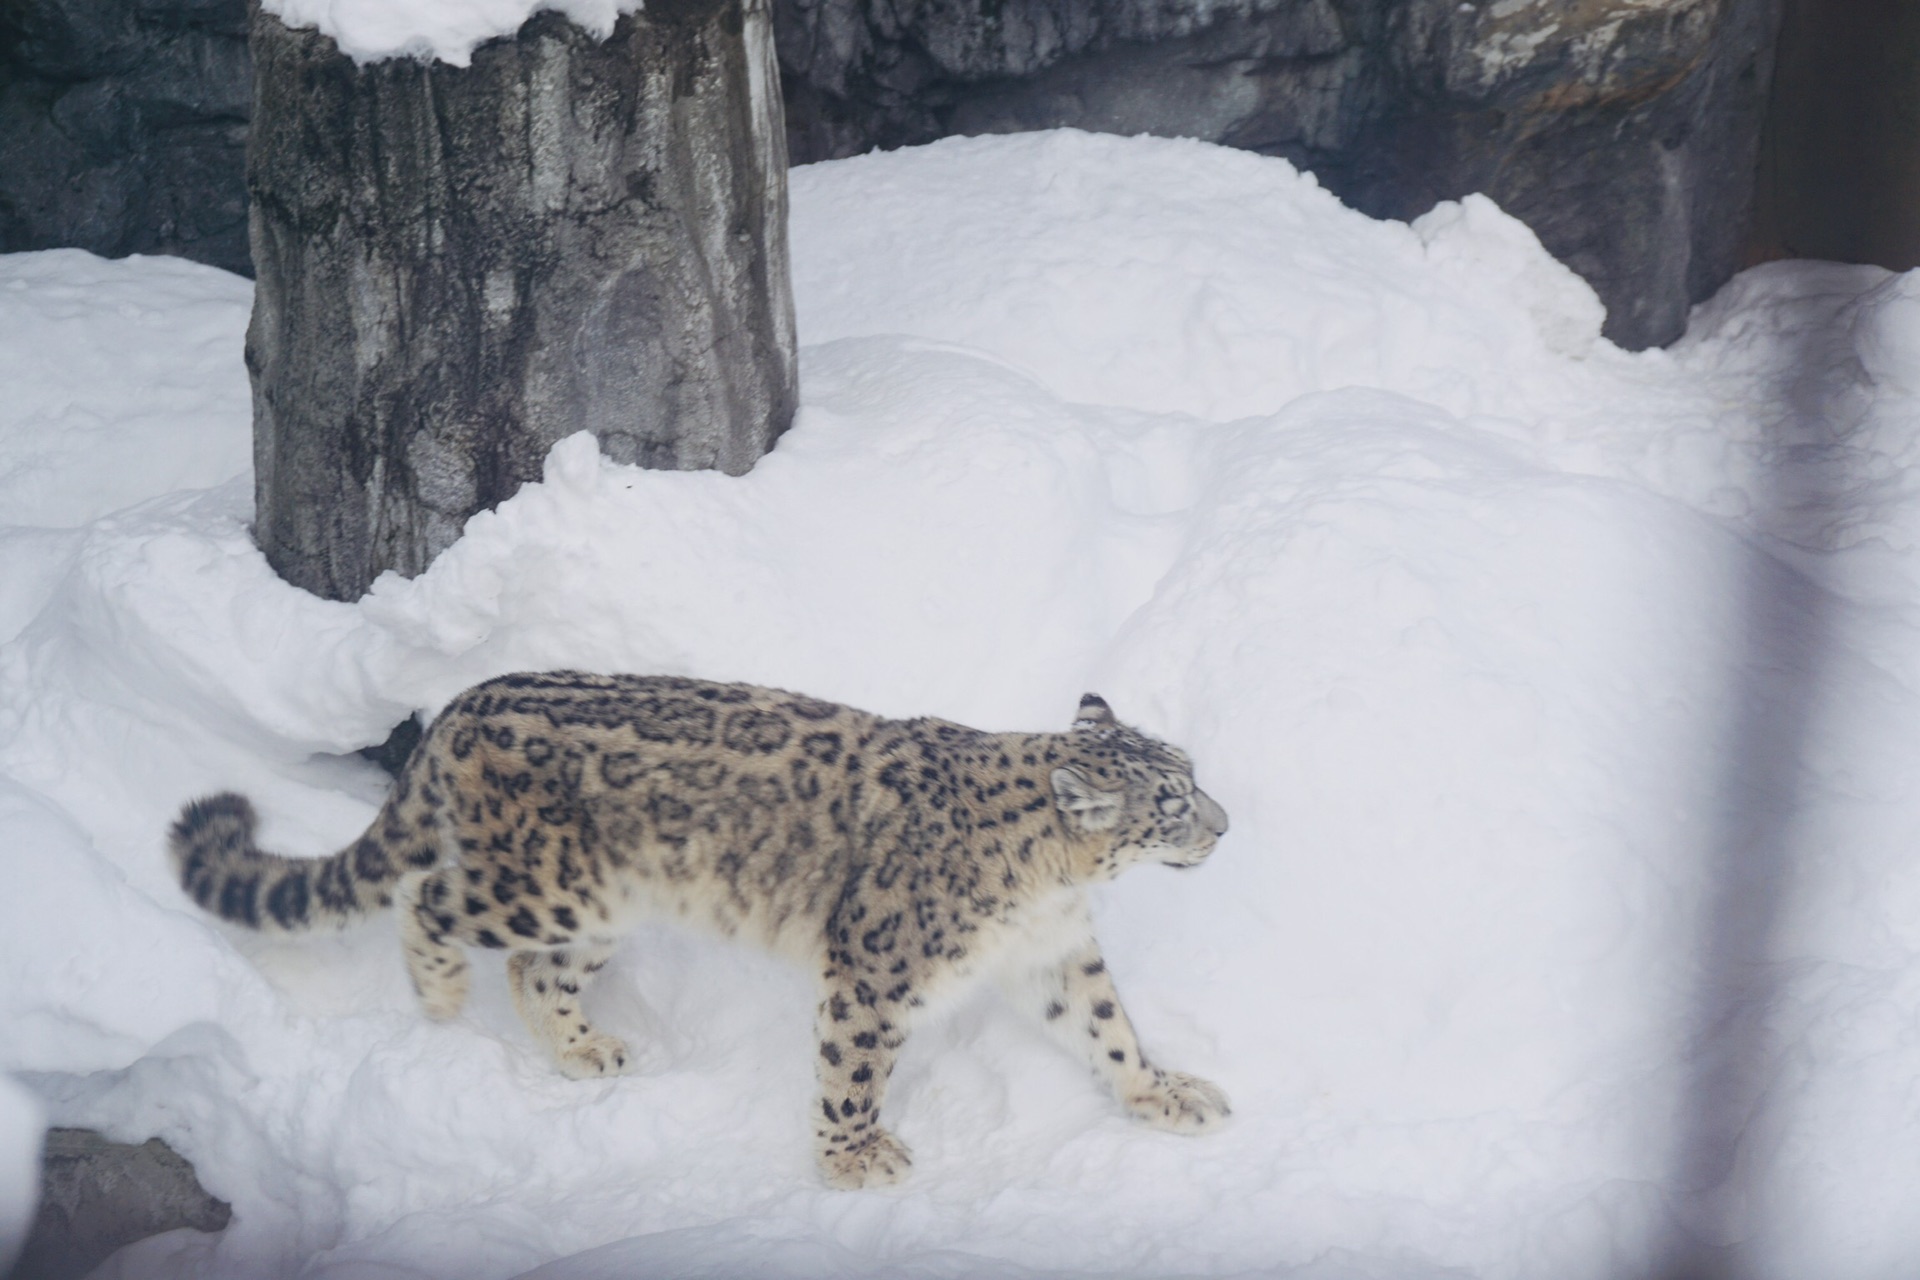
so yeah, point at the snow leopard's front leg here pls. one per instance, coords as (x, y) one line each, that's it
(1075, 1000)
(858, 1045)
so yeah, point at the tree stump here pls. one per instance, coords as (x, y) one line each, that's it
(459, 266)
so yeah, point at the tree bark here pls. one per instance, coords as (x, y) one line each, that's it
(459, 266)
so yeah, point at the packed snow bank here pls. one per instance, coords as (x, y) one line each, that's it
(1450, 599)
(446, 30)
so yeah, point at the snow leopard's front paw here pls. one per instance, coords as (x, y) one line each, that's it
(444, 994)
(875, 1159)
(594, 1055)
(1179, 1103)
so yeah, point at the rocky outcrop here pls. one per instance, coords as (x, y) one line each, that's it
(96, 1196)
(1624, 132)
(459, 266)
(123, 127)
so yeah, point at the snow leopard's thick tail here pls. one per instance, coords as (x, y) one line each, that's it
(223, 870)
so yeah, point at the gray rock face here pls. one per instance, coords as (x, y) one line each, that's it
(460, 266)
(1624, 132)
(123, 127)
(96, 1196)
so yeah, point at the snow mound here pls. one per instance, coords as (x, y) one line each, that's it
(75, 446)
(1174, 276)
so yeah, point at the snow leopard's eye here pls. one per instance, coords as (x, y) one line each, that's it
(1172, 805)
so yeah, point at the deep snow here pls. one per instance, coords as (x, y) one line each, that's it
(1453, 602)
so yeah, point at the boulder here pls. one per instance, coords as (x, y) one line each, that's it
(97, 1195)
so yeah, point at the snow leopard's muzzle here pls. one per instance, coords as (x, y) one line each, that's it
(1207, 823)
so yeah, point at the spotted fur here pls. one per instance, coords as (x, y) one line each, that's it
(548, 814)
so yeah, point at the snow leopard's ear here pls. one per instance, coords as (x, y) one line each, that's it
(1085, 806)
(1094, 713)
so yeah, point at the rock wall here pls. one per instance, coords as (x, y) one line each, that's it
(1623, 131)
(123, 127)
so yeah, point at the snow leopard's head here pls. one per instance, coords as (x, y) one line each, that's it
(1135, 793)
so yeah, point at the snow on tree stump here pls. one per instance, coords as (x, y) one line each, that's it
(459, 266)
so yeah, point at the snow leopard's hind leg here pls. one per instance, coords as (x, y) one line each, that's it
(437, 965)
(547, 989)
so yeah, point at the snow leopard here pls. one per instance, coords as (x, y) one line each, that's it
(548, 814)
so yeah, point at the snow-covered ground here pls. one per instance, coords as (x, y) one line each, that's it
(1489, 635)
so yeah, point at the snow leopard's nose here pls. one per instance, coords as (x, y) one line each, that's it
(1210, 812)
